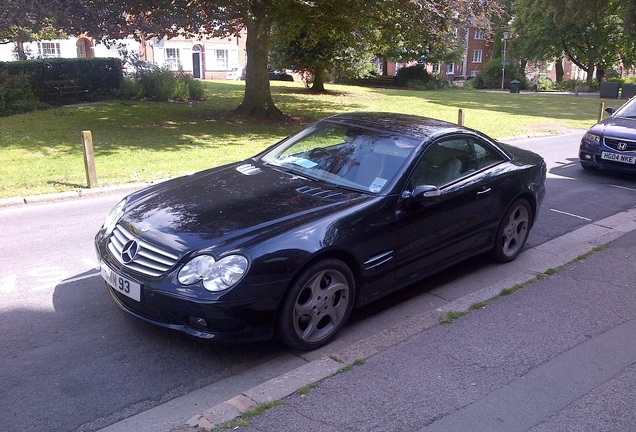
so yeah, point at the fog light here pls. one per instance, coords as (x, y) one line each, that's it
(198, 322)
(587, 156)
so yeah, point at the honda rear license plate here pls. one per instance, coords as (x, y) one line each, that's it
(616, 157)
(121, 284)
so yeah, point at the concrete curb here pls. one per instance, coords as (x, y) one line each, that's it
(532, 262)
(79, 193)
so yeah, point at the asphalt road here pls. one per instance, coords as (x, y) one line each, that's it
(72, 361)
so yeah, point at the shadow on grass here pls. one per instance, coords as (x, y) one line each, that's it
(558, 107)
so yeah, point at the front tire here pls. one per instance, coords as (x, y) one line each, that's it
(317, 305)
(513, 231)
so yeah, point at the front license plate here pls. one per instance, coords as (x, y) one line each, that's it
(618, 158)
(121, 284)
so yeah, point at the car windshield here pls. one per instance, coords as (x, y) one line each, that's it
(627, 110)
(346, 156)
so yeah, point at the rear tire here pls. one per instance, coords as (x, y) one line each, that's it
(317, 305)
(513, 231)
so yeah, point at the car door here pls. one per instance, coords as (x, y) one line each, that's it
(438, 231)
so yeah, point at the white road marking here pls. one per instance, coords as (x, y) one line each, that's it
(7, 285)
(47, 277)
(623, 187)
(79, 278)
(570, 214)
(91, 263)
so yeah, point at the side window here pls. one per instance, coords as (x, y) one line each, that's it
(443, 162)
(484, 156)
(452, 158)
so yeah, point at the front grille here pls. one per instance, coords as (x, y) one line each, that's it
(614, 143)
(150, 260)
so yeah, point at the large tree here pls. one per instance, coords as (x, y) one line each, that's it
(23, 21)
(114, 19)
(591, 33)
(326, 34)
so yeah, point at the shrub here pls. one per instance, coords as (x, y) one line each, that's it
(129, 89)
(432, 84)
(157, 84)
(16, 94)
(196, 91)
(411, 73)
(470, 84)
(545, 84)
(162, 84)
(490, 75)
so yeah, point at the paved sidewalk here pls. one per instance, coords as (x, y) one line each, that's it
(557, 355)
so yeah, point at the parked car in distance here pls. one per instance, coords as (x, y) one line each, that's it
(280, 76)
(337, 215)
(611, 143)
(233, 74)
(273, 75)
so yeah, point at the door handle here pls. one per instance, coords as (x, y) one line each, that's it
(484, 192)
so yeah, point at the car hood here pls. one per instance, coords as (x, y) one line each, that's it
(618, 127)
(231, 207)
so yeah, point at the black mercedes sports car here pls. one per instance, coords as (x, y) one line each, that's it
(341, 213)
(611, 143)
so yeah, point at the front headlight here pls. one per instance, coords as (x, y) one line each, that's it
(113, 217)
(592, 137)
(215, 275)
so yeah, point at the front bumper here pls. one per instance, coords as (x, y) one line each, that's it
(222, 322)
(590, 155)
(246, 313)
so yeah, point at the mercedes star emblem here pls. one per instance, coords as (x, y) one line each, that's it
(129, 252)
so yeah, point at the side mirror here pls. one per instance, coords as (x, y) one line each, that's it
(610, 110)
(422, 193)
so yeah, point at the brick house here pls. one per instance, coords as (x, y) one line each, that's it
(479, 51)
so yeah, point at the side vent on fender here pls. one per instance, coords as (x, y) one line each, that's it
(248, 169)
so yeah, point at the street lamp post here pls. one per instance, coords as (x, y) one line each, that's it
(506, 36)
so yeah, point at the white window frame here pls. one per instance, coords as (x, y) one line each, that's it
(479, 34)
(49, 49)
(477, 56)
(173, 58)
(221, 59)
(437, 67)
(450, 69)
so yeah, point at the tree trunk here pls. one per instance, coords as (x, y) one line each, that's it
(257, 100)
(385, 66)
(590, 72)
(318, 85)
(560, 73)
(600, 73)
(19, 48)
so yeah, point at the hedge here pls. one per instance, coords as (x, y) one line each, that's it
(103, 75)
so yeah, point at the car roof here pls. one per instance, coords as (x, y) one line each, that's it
(419, 128)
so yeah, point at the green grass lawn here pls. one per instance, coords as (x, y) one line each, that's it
(41, 152)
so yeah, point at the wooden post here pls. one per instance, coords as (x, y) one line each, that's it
(460, 117)
(601, 109)
(89, 159)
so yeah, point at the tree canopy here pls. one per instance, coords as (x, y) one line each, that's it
(331, 29)
(24, 21)
(321, 35)
(593, 34)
